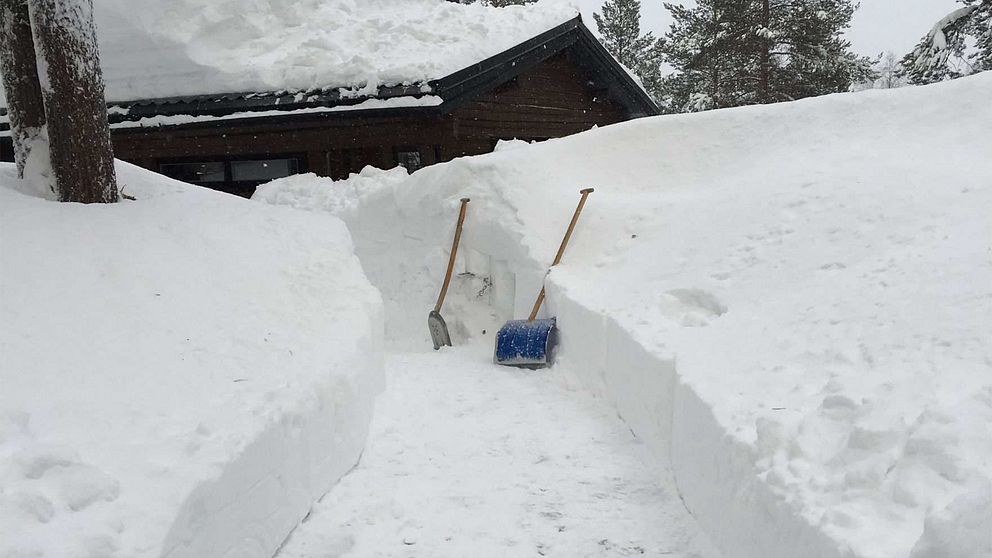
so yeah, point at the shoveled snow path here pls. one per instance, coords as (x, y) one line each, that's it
(469, 459)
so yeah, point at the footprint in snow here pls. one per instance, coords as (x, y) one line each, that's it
(691, 307)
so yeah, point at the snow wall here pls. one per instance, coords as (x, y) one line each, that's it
(180, 376)
(790, 304)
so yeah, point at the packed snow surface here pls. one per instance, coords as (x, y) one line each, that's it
(152, 49)
(791, 305)
(466, 459)
(182, 375)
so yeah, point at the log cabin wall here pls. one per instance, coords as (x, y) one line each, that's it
(551, 99)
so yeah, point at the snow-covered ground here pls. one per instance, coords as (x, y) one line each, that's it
(182, 375)
(466, 459)
(790, 305)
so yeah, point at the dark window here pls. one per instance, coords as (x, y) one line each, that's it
(195, 173)
(6, 150)
(263, 170)
(410, 160)
(239, 176)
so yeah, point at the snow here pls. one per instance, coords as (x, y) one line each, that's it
(152, 49)
(937, 31)
(790, 305)
(496, 462)
(182, 375)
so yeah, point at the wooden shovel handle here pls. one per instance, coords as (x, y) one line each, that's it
(561, 249)
(454, 252)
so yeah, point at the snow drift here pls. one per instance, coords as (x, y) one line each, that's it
(182, 375)
(791, 304)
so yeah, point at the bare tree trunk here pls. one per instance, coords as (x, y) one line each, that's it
(25, 107)
(764, 79)
(715, 50)
(75, 107)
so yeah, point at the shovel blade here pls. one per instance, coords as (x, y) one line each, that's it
(439, 330)
(527, 344)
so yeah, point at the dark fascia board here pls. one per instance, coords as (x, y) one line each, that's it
(293, 120)
(501, 68)
(591, 54)
(453, 89)
(223, 105)
(622, 86)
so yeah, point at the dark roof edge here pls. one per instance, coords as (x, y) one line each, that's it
(230, 103)
(506, 65)
(629, 85)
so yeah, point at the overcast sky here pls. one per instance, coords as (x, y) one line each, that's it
(879, 25)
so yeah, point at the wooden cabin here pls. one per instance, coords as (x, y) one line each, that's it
(557, 83)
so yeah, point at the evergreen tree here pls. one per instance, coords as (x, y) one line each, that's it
(737, 52)
(958, 45)
(701, 47)
(620, 27)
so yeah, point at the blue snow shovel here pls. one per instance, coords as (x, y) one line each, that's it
(530, 343)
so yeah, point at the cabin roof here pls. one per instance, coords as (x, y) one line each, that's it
(436, 96)
(180, 48)
(163, 66)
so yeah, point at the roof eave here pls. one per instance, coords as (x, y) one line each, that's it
(468, 82)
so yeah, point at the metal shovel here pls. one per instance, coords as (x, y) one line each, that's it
(530, 343)
(439, 329)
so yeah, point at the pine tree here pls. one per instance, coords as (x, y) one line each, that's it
(946, 51)
(812, 56)
(737, 52)
(620, 27)
(706, 56)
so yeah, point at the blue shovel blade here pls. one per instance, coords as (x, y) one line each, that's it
(526, 343)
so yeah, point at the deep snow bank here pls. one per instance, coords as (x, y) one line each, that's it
(181, 375)
(791, 303)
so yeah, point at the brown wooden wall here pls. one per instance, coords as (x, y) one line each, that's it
(550, 100)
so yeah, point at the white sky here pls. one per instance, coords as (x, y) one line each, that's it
(879, 25)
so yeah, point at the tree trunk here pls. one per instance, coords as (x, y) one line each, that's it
(764, 78)
(25, 107)
(72, 86)
(715, 52)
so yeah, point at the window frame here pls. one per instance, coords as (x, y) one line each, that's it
(398, 149)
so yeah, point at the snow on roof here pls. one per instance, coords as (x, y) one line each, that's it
(154, 49)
